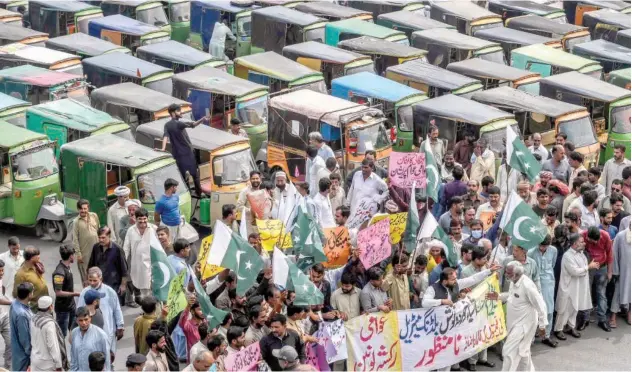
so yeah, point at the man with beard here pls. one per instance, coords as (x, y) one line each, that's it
(156, 357)
(84, 236)
(472, 199)
(238, 308)
(86, 339)
(109, 257)
(372, 297)
(137, 251)
(190, 319)
(337, 195)
(129, 219)
(257, 329)
(346, 299)
(366, 185)
(32, 271)
(112, 315)
(448, 166)
(285, 196)
(117, 211)
(48, 351)
(463, 151)
(169, 348)
(279, 337)
(181, 148)
(243, 202)
(236, 338)
(456, 187)
(455, 212)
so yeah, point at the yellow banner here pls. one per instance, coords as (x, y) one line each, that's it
(270, 232)
(207, 270)
(398, 224)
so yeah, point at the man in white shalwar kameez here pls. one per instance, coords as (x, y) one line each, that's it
(573, 293)
(285, 198)
(116, 212)
(526, 312)
(622, 252)
(366, 185)
(137, 252)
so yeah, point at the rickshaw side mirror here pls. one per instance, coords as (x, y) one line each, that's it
(217, 180)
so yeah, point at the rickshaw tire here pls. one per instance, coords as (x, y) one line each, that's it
(58, 226)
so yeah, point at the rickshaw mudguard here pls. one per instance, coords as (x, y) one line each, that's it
(54, 212)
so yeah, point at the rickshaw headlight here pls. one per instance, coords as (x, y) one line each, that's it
(50, 200)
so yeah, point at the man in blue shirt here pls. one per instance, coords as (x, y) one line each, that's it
(168, 208)
(605, 217)
(20, 323)
(84, 340)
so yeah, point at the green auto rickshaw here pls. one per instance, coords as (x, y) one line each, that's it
(623, 38)
(38, 85)
(445, 46)
(331, 61)
(147, 11)
(278, 73)
(177, 56)
(509, 9)
(576, 10)
(179, 14)
(620, 78)
(466, 16)
(19, 54)
(611, 56)
(11, 33)
(57, 18)
(30, 190)
(84, 45)
(135, 104)
(13, 110)
(332, 11)
(511, 39)
(126, 31)
(549, 61)
(609, 107)
(67, 120)
(11, 18)
(409, 22)
(19, 6)
(377, 7)
(93, 167)
(225, 96)
(277, 26)
(384, 53)
(493, 74)
(116, 68)
(569, 34)
(336, 32)
(605, 23)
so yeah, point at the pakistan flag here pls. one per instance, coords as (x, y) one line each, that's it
(308, 238)
(521, 223)
(287, 275)
(161, 270)
(432, 173)
(520, 158)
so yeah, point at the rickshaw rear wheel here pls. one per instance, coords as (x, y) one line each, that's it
(57, 230)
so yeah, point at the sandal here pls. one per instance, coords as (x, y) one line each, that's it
(612, 323)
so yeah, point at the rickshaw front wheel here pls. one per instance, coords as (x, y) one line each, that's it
(57, 230)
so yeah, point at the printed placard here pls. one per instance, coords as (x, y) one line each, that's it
(337, 247)
(374, 243)
(404, 168)
(270, 232)
(398, 224)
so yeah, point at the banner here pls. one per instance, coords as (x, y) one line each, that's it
(404, 168)
(270, 232)
(336, 247)
(177, 301)
(487, 218)
(260, 203)
(332, 337)
(374, 243)
(315, 355)
(426, 339)
(244, 360)
(363, 212)
(207, 269)
(398, 224)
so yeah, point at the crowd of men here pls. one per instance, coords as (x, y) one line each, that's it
(579, 272)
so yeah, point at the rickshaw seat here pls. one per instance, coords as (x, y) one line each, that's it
(5, 190)
(206, 186)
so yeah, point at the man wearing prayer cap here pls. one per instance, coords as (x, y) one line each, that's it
(131, 205)
(117, 211)
(285, 197)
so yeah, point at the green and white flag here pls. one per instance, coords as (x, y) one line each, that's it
(231, 251)
(287, 275)
(308, 239)
(520, 158)
(409, 237)
(431, 229)
(161, 270)
(432, 173)
(214, 315)
(521, 223)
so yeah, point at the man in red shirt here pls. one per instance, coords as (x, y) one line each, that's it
(599, 248)
(190, 319)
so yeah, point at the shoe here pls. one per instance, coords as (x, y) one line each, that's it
(603, 325)
(575, 333)
(453, 368)
(549, 342)
(471, 367)
(486, 363)
(583, 326)
(560, 335)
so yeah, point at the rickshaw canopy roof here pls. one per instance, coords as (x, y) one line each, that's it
(276, 65)
(37, 76)
(286, 15)
(530, 7)
(115, 150)
(487, 69)
(609, 4)
(202, 137)
(4, 13)
(624, 73)
(536, 23)
(626, 33)
(360, 27)
(413, 20)
(134, 95)
(35, 54)
(84, 44)
(518, 100)
(13, 135)
(585, 86)
(607, 16)
(125, 65)
(510, 35)
(464, 9)
(554, 56)
(225, 6)
(324, 52)
(432, 75)
(18, 33)
(462, 109)
(73, 114)
(216, 81)
(7, 102)
(122, 24)
(371, 45)
(177, 52)
(133, 3)
(371, 85)
(603, 49)
(318, 106)
(327, 9)
(65, 6)
(394, 2)
(452, 39)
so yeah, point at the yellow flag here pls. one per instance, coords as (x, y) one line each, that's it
(270, 232)
(207, 269)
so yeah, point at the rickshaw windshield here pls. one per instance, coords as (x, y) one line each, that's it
(405, 118)
(244, 26)
(621, 120)
(317, 34)
(354, 70)
(371, 137)
(570, 43)
(318, 86)
(254, 111)
(485, 26)
(494, 139)
(533, 88)
(163, 86)
(19, 121)
(181, 12)
(82, 22)
(579, 131)
(126, 134)
(152, 184)
(154, 16)
(75, 70)
(497, 57)
(34, 164)
(235, 167)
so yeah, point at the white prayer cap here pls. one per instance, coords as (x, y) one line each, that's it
(280, 174)
(44, 302)
(437, 243)
(121, 191)
(135, 202)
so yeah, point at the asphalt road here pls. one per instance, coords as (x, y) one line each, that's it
(596, 350)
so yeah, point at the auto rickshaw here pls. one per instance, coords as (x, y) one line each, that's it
(549, 61)
(179, 15)
(508, 9)
(333, 12)
(224, 162)
(466, 16)
(377, 7)
(570, 34)
(432, 80)
(338, 31)
(57, 18)
(30, 190)
(204, 15)
(620, 78)
(10, 33)
(277, 26)
(511, 39)
(384, 53)
(611, 56)
(609, 108)
(350, 129)
(278, 73)
(18, 54)
(19, 6)
(126, 32)
(67, 120)
(177, 56)
(605, 23)
(10, 18)
(445, 46)
(84, 45)
(93, 167)
(409, 22)
(493, 74)
(147, 11)
(13, 110)
(575, 10)
(285, 3)
(108, 69)
(38, 85)
(135, 104)
(623, 38)
(331, 61)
